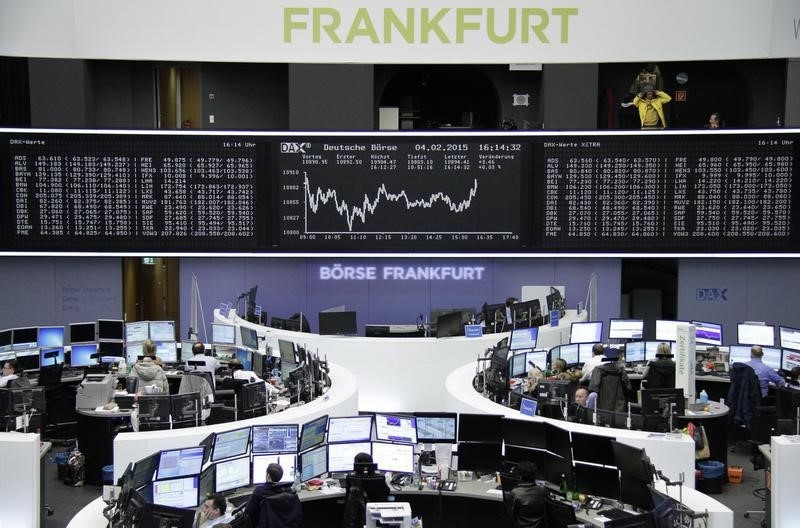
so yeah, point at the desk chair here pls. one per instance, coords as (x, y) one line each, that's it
(762, 427)
(507, 483)
(559, 514)
(199, 381)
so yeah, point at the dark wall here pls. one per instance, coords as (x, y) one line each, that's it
(331, 97)
(246, 96)
(569, 96)
(60, 92)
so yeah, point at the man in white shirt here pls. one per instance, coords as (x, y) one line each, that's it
(202, 355)
(9, 372)
(212, 512)
(595, 360)
(237, 369)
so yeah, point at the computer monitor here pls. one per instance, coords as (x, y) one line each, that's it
(313, 433)
(223, 334)
(789, 337)
(594, 449)
(24, 338)
(28, 359)
(589, 332)
(569, 353)
(137, 331)
(651, 349)
(23, 400)
(482, 457)
(253, 396)
(528, 406)
(206, 484)
(557, 441)
(82, 332)
(286, 349)
(632, 462)
(174, 463)
(5, 340)
(707, 333)
(154, 408)
(5, 356)
(132, 352)
(667, 330)
(397, 458)
(162, 330)
(249, 337)
(772, 357)
(349, 429)
(177, 492)
(110, 329)
(287, 461)
(341, 455)
(739, 354)
(659, 402)
(585, 351)
(186, 407)
(144, 471)
(338, 323)
(523, 433)
(245, 356)
(626, 329)
(81, 355)
(396, 428)
(499, 360)
(50, 356)
(790, 359)
(527, 313)
(449, 325)
(523, 338)
(274, 439)
(597, 480)
(480, 427)
(231, 474)
(436, 427)
(517, 365)
(635, 352)
(51, 336)
(494, 315)
(756, 334)
(538, 358)
(111, 349)
(167, 351)
(230, 444)
(313, 463)
(516, 455)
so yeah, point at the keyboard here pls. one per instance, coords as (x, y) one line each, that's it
(615, 513)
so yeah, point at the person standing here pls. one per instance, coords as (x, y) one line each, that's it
(650, 103)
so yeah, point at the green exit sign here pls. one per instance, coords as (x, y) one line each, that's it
(149, 261)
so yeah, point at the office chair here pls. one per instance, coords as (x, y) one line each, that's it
(507, 483)
(559, 514)
(762, 427)
(199, 381)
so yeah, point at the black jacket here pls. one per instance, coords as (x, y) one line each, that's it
(527, 508)
(274, 506)
(744, 393)
(612, 386)
(661, 374)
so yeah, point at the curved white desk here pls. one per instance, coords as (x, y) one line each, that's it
(397, 374)
(340, 400)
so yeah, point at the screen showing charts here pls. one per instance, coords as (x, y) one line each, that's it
(591, 332)
(249, 337)
(137, 331)
(349, 429)
(625, 329)
(162, 330)
(756, 334)
(223, 334)
(230, 444)
(132, 352)
(398, 458)
(772, 357)
(51, 336)
(81, 355)
(790, 337)
(313, 463)
(340, 456)
(180, 462)
(436, 428)
(231, 474)
(739, 353)
(524, 338)
(667, 330)
(313, 432)
(394, 428)
(178, 492)
(275, 438)
(585, 351)
(790, 359)
(288, 462)
(707, 333)
(568, 353)
(517, 365)
(635, 352)
(167, 351)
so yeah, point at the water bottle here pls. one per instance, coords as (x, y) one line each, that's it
(703, 396)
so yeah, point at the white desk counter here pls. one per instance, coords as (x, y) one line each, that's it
(402, 374)
(20, 485)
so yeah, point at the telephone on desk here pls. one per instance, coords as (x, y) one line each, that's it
(448, 485)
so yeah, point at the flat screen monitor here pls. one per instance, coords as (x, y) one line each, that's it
(338, 323)
(23, 338)
(249, 337)
(177, 492)
(111, 329)
(313, 433)
(517, 455)
(341, 456)
(245, 356)
(437, 427)
(51, 356)
(206, 484)
(51, 336)
(28, 359)
(772, 357)
(524, 338)
(483, 457)
(585, 351)
(313, 463)
(396, 428)
(528, 406)
(660, 402)
(180, 462)
(82, 332)
(523, 433)
(349, 429)
(707, 333)
(397, 458)
(144, 471)
(230, 444)
(223, 334)
(594, 449)
(449, 325)
(162, 330)
(626, 329)
(132, 352)
(480, 427)
(5, 340)
(517, 366)
(597, 480)
(273, 439)
(538, 358)
(137, 331)
(755, 334)
(286, 349)
(739, 353)
(790, 359)
(557, 441)
(232, 474)
(167, 351)
(81, 355)
(527, 313)
(790, 337)
(287, 461)
(589, 332)
(5, 356)
(632, 462)
(635, 352)
(556, 469)
(667, 330)
(111, 349)
(651, 348)
(569, 353)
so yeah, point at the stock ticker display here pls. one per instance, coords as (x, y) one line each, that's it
(650, 192)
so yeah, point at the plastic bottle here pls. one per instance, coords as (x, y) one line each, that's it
(703, 396)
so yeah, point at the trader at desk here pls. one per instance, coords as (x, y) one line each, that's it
(238, 372)
(526, 502)
(274, 505)
(203, 355)
(10, 368)
(765, 374)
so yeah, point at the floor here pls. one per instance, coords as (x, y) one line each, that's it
(66, 501)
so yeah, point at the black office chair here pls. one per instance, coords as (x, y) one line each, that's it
(559, 514)
(761, 427)
(507, 483)
(744, 402)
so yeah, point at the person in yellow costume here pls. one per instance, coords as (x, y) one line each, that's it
(650, 103)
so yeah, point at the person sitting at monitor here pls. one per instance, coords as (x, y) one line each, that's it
(362, 486)
(212, 512)
(526, 502)
(765, 374)
(596, 359)
(561, 372)
(274, 504)
(238, 372)
(611, 383)
(10, 372)
(149, 350)
(150, 375)
(660, 373)
(203, 355)
(584, 398)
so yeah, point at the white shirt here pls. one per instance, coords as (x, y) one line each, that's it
(5, 379)
(211, 363)
(252, 377)
(224, 518)
(590, 364)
